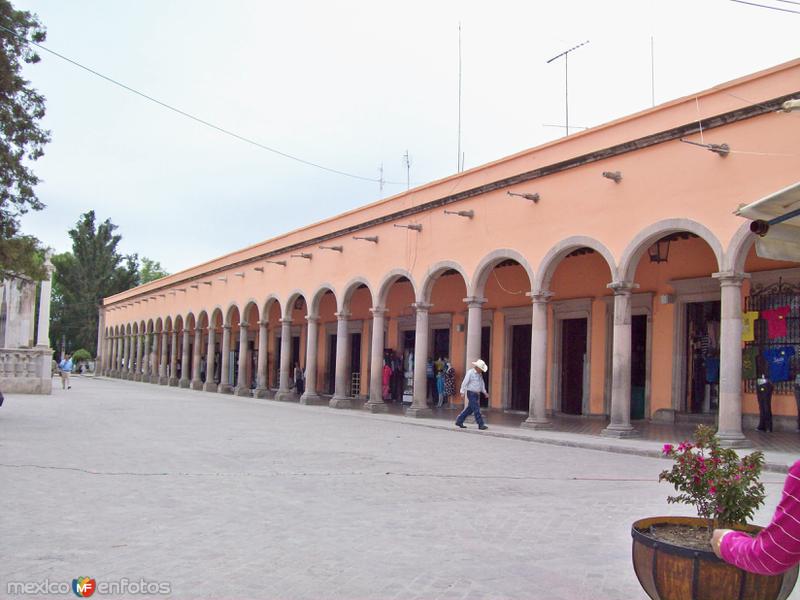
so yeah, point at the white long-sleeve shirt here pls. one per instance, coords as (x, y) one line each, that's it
(473, 382)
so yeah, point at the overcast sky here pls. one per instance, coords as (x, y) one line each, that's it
(349, 85)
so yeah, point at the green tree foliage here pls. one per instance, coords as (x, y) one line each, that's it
(150, 271)
(93, 270)
(21, 140)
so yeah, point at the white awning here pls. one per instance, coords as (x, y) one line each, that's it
(782, 241)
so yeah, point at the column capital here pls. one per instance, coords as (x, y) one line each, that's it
(243, 324)
(312, 318)
(379, 311)
(727, 278)
(342, 316)
(540, 296)
(622, 288)
(286, 321)
(226, 326)
(474, 301)
(263, 323)
(422, 306)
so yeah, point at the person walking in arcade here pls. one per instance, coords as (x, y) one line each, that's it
(472, 388)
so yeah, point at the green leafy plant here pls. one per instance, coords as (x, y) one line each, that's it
(81, 356)
(722, 486)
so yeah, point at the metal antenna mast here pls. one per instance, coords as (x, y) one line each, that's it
(381, 180)
(407, 160)
(565, 54)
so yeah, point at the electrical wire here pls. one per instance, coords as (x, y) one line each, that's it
(770, 7)
(198, 119)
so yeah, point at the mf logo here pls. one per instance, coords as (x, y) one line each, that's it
(84, 586)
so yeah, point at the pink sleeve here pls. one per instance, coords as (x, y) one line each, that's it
(777, 547)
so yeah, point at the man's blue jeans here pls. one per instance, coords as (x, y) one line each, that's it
(473, 407)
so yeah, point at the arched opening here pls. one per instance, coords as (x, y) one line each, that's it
(397, 295)
(356, 303)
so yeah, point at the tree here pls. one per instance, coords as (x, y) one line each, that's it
(93, 270)
(21, 140)
(150, 271)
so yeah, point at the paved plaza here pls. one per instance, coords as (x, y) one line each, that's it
(226, 497)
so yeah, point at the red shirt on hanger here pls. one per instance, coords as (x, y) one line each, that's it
(776, 321)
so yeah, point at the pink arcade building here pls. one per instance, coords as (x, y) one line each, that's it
(603, 275)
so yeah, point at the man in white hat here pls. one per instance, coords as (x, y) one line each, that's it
(472, 387)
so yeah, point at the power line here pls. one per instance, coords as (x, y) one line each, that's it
(770, 7)
(194, 118)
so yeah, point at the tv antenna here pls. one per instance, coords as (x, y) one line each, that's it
(407, 161)
(565, 54)
(381, 180)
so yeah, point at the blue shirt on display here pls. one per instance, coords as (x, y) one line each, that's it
(778, 360)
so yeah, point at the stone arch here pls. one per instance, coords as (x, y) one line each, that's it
(159, 327)
(168, 323)
(389, 280)
(739, 247)
(349, 289)
(151, 326)
(316, 298)
(489, 262)
(229, 313)
(433, 274)
(178, 323)
(248, 307)
(267, 305)
(558, 252)
(190, 321)
(216, 311)
(202, 318)
(649, 235)
(290, 300)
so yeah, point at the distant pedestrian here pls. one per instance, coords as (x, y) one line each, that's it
(472, 388)
(449, 382)
(440, 388)
(386, 379)
(299, 379)
(65, 368)
(430, 376)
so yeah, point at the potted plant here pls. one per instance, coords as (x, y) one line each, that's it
(672, 556)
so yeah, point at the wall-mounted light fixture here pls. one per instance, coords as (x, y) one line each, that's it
(334, 248)
(721, 149)
(367, 238)
(790, 105)
(162, 295)
(224, 279)
(195, 285)
(532, 197)
(659, 252)
(239, 274)
(259, 269)
(306, 255)
(181, 290)
(277, 262)
(208, 283)
(615, 176)
(413, 226)
(461, 213)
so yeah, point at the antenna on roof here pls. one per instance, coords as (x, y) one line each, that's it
(565, 54)
(407, 161)
(381, 180)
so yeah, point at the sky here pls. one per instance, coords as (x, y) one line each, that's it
(344, 84)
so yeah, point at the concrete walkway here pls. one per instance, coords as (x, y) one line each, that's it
(225, 497)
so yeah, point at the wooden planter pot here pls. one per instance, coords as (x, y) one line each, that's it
(670, 572)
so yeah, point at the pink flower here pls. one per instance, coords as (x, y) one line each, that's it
(711, 488)
(667, 448)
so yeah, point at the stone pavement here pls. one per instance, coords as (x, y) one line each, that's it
(228, 497)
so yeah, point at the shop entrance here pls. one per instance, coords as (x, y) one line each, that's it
(638, 365)
(520, 367)
(355, 364)
(573, 359)
(702, 357)
(331, 383)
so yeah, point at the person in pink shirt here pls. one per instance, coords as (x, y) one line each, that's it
(777, 547)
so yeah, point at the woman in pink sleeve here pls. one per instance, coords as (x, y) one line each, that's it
(777, 547)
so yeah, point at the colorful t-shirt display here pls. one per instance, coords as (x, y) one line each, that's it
(749, 365)
(778, 362)
(748, 325)
(776, 321)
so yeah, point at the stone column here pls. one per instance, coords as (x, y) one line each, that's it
(537, 400)
(242, 385)
(341, 397)
(154, 358)
(262, 390)
(127, 367)
(173, 358)
(419, 405)
(310, 395)
(284, 379)
(100, 354)
(376, 403)
(137, 375)
(185, 367)
(197, 383)
(224, 384)
(43, 330)
(730, 360)
(620, 425)
(112, 367)
(210, 385)
(474, 327)
(162, 368)
(145, 368)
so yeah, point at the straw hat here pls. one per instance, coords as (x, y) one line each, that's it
(481, 365)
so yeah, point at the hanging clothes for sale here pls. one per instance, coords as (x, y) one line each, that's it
(749, 362)
(779, 362)
(748, 325)
(776, 321)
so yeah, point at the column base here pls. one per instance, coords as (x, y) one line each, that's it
(225, 388)
(536, 423)
(341, 402)
(285, 396)
(376, 407)
(243, 392)
(145, 379)
(137, 377)
(154, 379)
(173, 382)
(197, 385)
(209, 386)
(620, 432)
(184, 383)
(419, 412)
(313, 400)
(733, 440)
(262, 392)
(164, 380)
